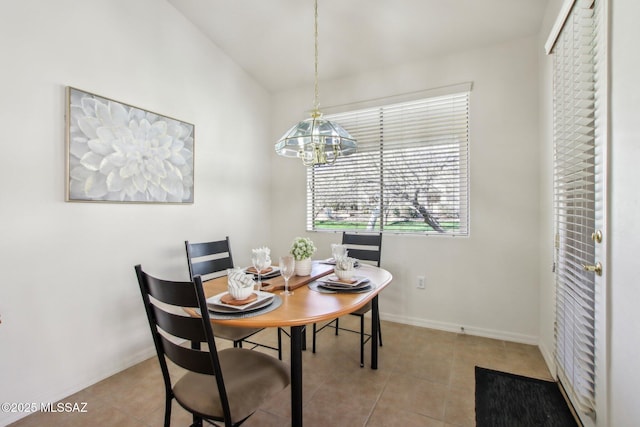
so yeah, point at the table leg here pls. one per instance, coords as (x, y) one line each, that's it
(375, 315)
(296, 375)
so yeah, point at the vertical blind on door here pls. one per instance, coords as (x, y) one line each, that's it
(409, 175)
(575, 168)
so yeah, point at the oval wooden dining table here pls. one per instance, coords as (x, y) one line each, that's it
(307, 306)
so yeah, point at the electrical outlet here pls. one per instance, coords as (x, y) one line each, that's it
(420, 282)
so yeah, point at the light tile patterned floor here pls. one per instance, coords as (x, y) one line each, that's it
(425, 378)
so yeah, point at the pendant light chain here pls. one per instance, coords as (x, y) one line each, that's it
(316, 103)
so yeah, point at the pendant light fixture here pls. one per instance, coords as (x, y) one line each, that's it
(316, 141)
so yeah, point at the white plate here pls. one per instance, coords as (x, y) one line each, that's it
(331, 261)
(215, 304)
(328, 288)
(273, 273)
(335, 287)
(334, 280)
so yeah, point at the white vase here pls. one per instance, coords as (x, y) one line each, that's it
(303, 267)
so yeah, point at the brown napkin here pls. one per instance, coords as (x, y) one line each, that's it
(228, 299)
(254, 271)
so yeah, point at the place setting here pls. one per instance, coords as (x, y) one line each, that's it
(338, 250)
(344, 278)
(242, 299)
(261, 267)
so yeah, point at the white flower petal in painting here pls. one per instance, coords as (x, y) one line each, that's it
(121, 153)
(78, 146)
(115, 183)
(95, 186)
(100, 146)
(130, 168)
(177, 159)
(103, 114)
(157, 193)
(88, 126)
(112, 161)
(176, 145)
(80, 173)
(156, 169)
(88, 105)
(91, 161)
(118, 112)
(140, 182)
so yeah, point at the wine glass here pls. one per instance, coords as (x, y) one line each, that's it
(287, 265)
(259, 261)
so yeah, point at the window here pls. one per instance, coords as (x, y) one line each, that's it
(410, 174)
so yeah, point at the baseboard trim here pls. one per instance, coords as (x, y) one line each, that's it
(470, 330)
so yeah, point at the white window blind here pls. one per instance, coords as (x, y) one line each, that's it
(409, 175)
(575, 55)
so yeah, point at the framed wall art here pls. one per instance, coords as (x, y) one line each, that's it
(120, 153)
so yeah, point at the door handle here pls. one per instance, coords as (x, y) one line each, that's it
(594, 268)
(596, 236)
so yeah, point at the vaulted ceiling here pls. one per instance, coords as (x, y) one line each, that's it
(272, 40)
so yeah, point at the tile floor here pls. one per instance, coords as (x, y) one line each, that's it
(425, 378)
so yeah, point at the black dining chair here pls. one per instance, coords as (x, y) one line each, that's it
(221, 386)
(212, 259)
(364, 247)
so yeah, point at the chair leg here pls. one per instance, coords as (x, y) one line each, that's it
(362, 341)
(279, 344)
(379, 332)
(167, 412)
(337, 325)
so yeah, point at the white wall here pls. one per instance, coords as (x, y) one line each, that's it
(488, 282)
(624, 227)
(70, 305)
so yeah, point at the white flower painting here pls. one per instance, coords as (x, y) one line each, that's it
(119, 153)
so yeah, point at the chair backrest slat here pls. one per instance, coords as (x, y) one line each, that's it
(364, 255)
(193, 360)
(208, 257)
(188, 328)
(174, 293)
(208, 248)
(210, 266)
(365, 247)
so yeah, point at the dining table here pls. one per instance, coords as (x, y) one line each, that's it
(305, 306)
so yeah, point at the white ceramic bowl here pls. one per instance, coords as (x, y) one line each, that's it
(240, 293)
(345, 275)
(239, 284)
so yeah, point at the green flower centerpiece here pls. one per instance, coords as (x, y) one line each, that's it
(302, 249)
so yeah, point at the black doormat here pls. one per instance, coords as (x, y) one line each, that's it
(508, 400)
